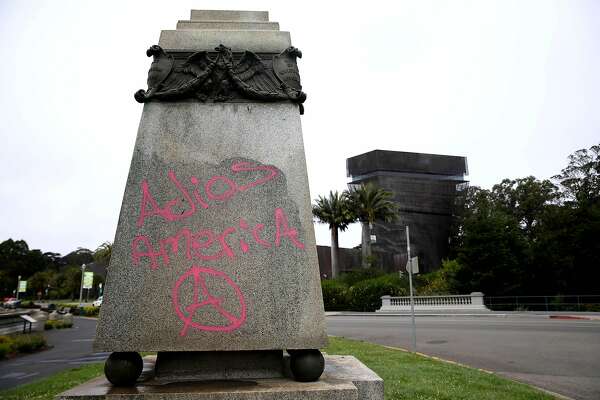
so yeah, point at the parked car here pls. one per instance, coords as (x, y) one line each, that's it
(12, 302)
(98, 302)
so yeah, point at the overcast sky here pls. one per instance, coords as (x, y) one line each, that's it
(512, 85)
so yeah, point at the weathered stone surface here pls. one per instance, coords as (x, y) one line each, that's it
(228, 25)
(217, 195)
(264, 389)
(345, 378)
(229, 15)
(179, 366)
(368, 383)
(257, 41)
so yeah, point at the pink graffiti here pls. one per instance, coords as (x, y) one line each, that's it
(205, 245)
(149, 207)
(200, 291)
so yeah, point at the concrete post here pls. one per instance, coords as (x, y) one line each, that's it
(386, 301)
(477, 299)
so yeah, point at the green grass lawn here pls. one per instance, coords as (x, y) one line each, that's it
(411, 376)
(406, 376)
(47, 388)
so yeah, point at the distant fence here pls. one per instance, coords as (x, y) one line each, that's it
(467, 302)
(543, 303)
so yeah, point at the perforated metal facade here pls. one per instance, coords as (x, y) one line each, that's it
(427, 189)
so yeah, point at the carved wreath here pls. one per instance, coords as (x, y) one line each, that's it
(218, 79)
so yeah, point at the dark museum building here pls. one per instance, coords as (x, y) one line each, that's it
(427, 188)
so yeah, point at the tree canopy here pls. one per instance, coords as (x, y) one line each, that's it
(531, 237)
(48, 274)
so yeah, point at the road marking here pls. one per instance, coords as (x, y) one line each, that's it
(12, 375)
(28, 375)
(87, 359)
(82, 340)
(18, 375)
(84, 362)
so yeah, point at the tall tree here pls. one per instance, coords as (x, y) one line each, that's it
(371, 203)
(580, 183)
(580, 180)
(16, 258)
(334, 211)
(526, 199)
(102, 253)
(491, 247)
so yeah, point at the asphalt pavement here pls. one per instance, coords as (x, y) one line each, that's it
(71, 348)
(559, 355)
(562, 356)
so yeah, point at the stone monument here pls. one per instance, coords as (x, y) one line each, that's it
(214, 263)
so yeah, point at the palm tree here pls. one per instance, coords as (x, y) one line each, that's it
(102, 253)
(335, 211)
(371, 203)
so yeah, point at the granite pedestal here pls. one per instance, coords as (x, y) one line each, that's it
(345, 378)
(215, 247)
(214, 263)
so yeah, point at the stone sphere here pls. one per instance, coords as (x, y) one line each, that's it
(123, 368)
(306, 365)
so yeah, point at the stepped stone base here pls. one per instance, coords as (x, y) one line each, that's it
(345, 378)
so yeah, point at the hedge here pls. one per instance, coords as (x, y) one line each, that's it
(57, 324)
(361, 295)
(20, 344)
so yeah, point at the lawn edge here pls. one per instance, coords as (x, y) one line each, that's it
(549, 392)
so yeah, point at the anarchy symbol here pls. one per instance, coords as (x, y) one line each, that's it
(186, 314)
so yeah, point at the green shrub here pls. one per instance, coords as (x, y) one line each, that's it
(57, 324)
(354, 277)
(25, 343)
(335, 295)
(5, 350)
(28, 343)
(29, 304)
(440, 282)
(366, 295)
(90, 311)
(64, 325)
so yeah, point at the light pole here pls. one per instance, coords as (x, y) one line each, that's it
(18, 284)
(412, 300)
(81, 288)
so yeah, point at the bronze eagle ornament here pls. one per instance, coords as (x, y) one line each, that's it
(221, 77)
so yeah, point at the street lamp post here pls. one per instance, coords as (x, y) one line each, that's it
(18, 284)
(81, 288)
(412, 300)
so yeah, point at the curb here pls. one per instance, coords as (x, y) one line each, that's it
(549, 392)
(580, 317)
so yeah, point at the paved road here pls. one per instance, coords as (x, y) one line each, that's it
(560, 355)
(72, 347)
